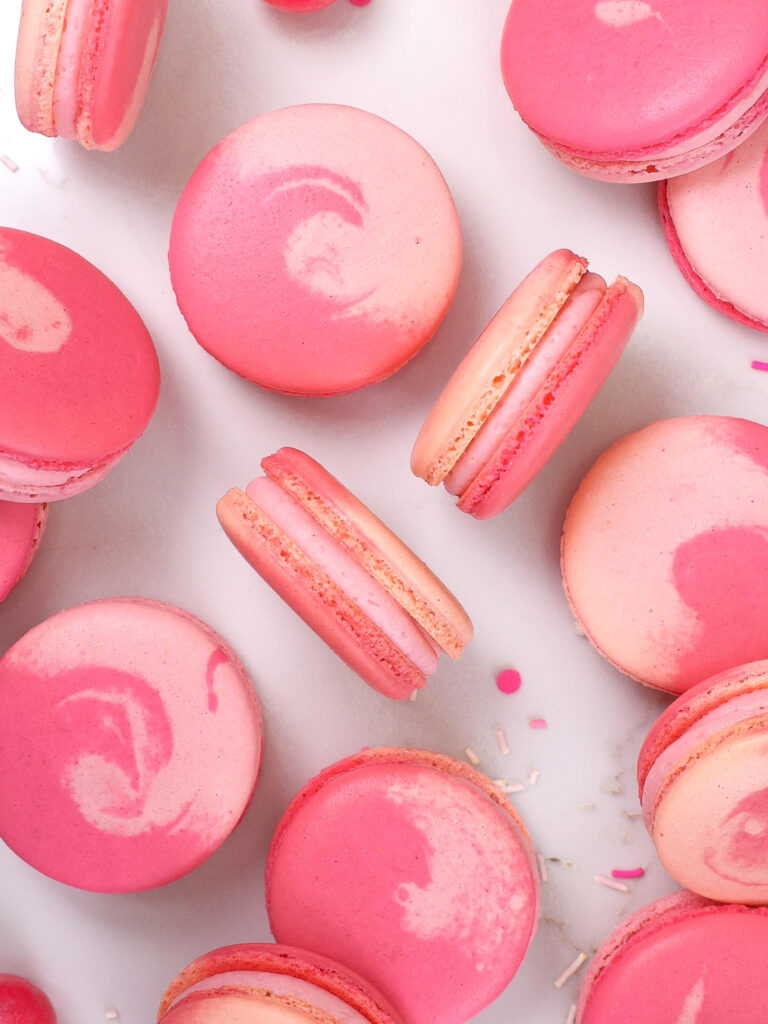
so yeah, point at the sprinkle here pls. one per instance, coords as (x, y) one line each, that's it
(609, 883)
(413, 695)
(9, 163)
(629, 873)
(534, 777)
(756, 364)
(503, 745)
(472, 756)
(542, 866)
(537, 723)
(111, 1014)
(514, 787)
(509, 680)
(578, 630)
(571, 970)
(571, 1018)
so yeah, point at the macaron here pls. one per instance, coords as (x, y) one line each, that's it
(83, 66)
(680, 960)
(665, 550)
(412, 869)
(625, 90)
(21, 530)
(716, 224)
(345, 573)
(79, 370)
(130, 748)
(521, 388)
(703, 781)
(21, 1002)
(300, 6)
(272, 985)
(315, 249)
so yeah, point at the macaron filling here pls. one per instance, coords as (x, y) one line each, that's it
(23, 480)
(66, 95)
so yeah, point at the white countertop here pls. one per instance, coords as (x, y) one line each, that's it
(149, 529)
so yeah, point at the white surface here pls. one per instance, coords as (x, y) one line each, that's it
(150, 529)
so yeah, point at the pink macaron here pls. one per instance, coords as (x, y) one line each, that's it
(680, 960)
(628, 90)
(315, 249)
(414, 870)
(21, 1002)
(345, 573)
(272, 985)
(716, 224)
(130, 748)
(300, 6)
(21, 530)
(703, 779)
(521, 388)
(79, 370)
(83, 66)
(665, 550)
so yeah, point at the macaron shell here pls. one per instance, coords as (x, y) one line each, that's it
(21, 530)
(672, 590)
(37, 48)
(134, 732)
(316, 222)
(716, 225)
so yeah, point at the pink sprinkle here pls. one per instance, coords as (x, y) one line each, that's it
(360, 3)
(757, 365)
(629, 873)
(537, 723)
(509, 680)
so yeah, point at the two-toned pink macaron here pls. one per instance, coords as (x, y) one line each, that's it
(522, 387)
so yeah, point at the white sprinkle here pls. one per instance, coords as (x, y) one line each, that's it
(503, 745)
(578, 629)
(587, 807)
(9, 163)
(571, 970)
(611, 883)
(542, 866)
(571, 1018)
(514, 787)
(413, 695)
(534, 777)
(472, 756)
(111, 1014)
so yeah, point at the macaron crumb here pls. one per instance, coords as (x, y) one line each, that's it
(501, 739)
(509, 680)
(758, 365)
(611, 883)
(570, 970)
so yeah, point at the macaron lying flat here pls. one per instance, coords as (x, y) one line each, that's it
(79, 370)
(315, 249)
(21, 1002)
(261, 983)
(414, 870)
(345, 573)
(21, 530)
(519, 391)
(83, 66)
(716, 224)
(628, 90)
(680, 960)
(703, 778)
(665, 550)
(130, 748)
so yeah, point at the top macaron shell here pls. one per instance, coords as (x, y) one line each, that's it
(80, 373)
(628, 90)
(665, 550)
(315, 249)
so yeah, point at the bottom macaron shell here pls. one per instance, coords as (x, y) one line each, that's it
(21, 530)
(415, 871)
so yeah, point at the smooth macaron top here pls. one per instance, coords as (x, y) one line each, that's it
(21, 529)
(716, 223)
(665, 550)
(130, 748)
(680, 960)
(315, 249)
(617, 79)
(79, 370)
(703, 778)
(414, 870)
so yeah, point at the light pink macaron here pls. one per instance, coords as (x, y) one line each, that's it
(130, 748)
(521, 388)
(83, 66)
(80, 375)
(680, 960)
(315, 249)
(665, 550)
(629, 90)
(21, 1002)
(413, 869)
(703, 779)
(345, 573)
(716, 224)
(21, 530)
(271, 984)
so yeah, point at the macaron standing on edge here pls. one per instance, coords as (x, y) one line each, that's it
(21, 530)
(521, 388)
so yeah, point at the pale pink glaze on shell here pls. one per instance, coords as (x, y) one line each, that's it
(665, 550)
(716, 224)
(315, 249)
(422, 878)
(629, 90)
(134, 733)
(680, 960)
(79, 370)
(21, 530)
